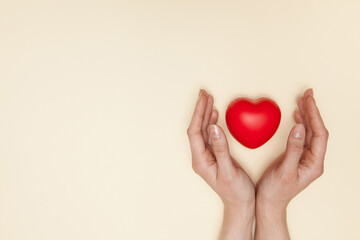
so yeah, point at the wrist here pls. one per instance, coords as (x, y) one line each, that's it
(270, 214)
(238, 222)
(268, 207)
(241, 212)
(271, 221)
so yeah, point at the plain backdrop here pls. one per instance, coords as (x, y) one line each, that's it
(96, 97)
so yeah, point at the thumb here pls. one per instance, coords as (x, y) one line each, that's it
(294, 147)
(220, 148)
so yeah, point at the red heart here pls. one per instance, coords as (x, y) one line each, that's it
(252, 122)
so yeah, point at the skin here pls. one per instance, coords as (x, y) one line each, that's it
(211, 160)
(299, 165)
(291, 172)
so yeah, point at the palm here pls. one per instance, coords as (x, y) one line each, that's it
(302, 161)
(315, 140)
(222, 173)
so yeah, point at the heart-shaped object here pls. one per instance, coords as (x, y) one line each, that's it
(252, 122)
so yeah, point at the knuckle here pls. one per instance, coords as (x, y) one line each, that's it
(220, 148)
(327, 133)
(324, 133)
(197, 167)
(295, 150)
(321, 170)
(296, 143)
(188, 131)
(298, 146)
(318, 171)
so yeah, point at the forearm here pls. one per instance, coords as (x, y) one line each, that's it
(237, 223)
(271, 223)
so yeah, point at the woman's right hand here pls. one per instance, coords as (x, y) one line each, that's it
(291, 172)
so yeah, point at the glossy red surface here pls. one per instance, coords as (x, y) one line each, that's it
(252, 122)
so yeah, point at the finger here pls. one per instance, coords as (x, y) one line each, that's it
(220, 148)
(214, 117)
(298, 117)
(308, 92)
(320, 133)
(196, 139)
(207, 116)
(300, 103)
(294, 147)
(213, 120)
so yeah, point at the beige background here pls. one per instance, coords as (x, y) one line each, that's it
(96, 96)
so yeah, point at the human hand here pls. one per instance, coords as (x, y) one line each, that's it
(291, 172)
(211, 160)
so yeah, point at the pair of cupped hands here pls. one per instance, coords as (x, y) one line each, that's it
(292, 171)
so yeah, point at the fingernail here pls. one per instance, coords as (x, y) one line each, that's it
(215, 132)
(311, 92)
(314, 100)
(199, 97)
(298, 131)
(311, 96)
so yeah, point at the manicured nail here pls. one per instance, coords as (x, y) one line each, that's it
(215, 132)
(314, 100)
(199, 97)
(298, 131)
(311, 92)
(308, 97)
